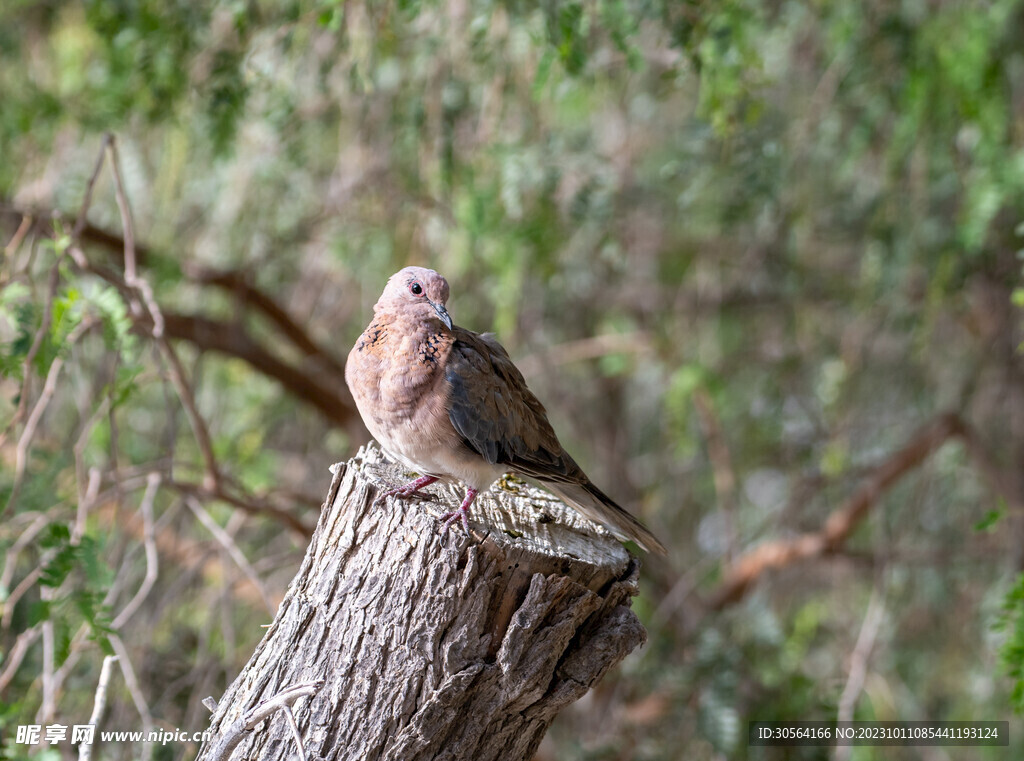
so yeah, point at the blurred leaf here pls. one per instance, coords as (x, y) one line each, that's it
(1011, 621)
(988, 523)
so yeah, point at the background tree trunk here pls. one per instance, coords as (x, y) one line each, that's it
(399, 645)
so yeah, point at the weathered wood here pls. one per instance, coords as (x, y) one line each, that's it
(427, 649)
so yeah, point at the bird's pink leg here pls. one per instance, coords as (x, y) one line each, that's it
(463, 512)
(403, 492)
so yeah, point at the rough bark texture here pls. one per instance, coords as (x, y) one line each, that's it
(418, 648)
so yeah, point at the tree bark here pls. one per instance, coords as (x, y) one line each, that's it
(393, 643)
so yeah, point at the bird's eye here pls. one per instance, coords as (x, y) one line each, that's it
(416, 289)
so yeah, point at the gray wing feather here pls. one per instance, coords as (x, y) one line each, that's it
(496, 414)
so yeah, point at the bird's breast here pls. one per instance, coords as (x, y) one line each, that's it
(395, 373)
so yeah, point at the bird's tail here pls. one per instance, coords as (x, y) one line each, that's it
(600, 508)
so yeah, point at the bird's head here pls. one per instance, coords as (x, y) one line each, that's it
(418, 292)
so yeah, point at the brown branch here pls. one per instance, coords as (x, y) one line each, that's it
(19, 236)
(330, 398)
(748, 568)
(247, 504)
(328, 395)
(139, 287)
(51, 293)
(238, 284)
(113, 243)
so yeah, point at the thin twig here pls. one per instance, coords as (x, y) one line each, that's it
(247, 722)
(23, 586)
(78, 449)
(19, 235)
(139, 285)
(28, 434)
(125, 211)
(132, 683)
(17, 654)
(294, 726)
(859, 662)
(85, 504)
(99, 702)
(152, 558)
(11, 561)
(247, 503)
(83, 210)
(228, 543)
(48, 703)
(184, 553)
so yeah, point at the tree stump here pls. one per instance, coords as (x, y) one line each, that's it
(392, 643)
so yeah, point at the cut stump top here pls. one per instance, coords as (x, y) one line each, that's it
(515, 519)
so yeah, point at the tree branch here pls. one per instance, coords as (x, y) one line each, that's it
(246, 723)
(238, 284)
(207, 334)
(211, 335)
(749, 567)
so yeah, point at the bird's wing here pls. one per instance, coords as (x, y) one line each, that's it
(496, 414)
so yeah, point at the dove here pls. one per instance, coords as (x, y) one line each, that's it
(449, 404)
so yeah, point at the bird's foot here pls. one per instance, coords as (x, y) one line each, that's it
(409, 490)
(463, 512)
(449, 518)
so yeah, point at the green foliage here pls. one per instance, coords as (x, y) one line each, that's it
(991, 520)
(805, 216)
(1011, 623)
(81, 559)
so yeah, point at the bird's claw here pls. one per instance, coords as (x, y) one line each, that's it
(410, 490)
(403, 492)
(449, 518)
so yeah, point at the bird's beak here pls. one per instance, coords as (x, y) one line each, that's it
(443, 314)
